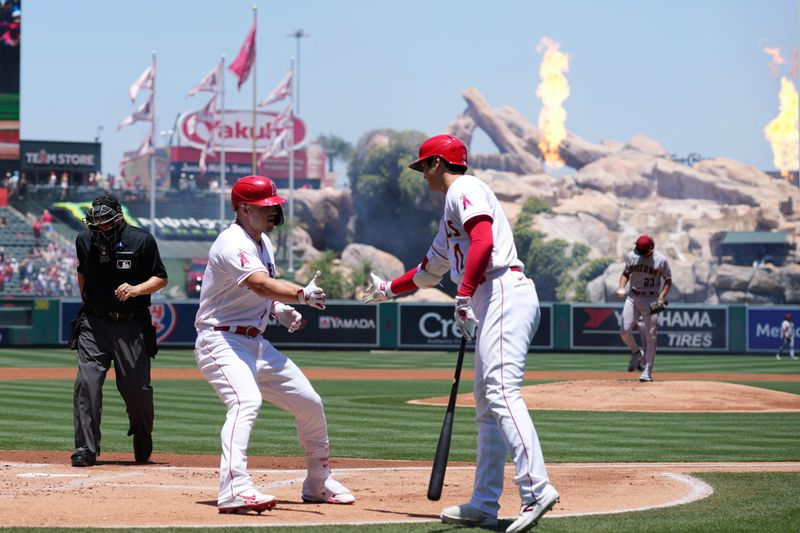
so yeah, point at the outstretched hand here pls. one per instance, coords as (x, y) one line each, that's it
(311, 294)
(377, 290)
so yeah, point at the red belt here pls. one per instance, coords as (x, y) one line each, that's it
(513, 269)
(247, 331)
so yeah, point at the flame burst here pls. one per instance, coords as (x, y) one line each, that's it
(552, 90)
(782, 131)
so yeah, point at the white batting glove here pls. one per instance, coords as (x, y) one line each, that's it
(288, 316)
(620, 293)
(465, 317)
(377, 290)
(311, 294)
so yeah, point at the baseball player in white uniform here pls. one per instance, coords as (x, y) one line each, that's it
(497, 305)
(238, 295)
(787, 337)
(645, 268)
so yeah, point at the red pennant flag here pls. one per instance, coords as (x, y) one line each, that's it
(247, 56)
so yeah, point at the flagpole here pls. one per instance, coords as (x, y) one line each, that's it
(289, 240)
(153, 155)
(222, 181)
(255, 132)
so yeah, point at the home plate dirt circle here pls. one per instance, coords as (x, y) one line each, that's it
(123, 494)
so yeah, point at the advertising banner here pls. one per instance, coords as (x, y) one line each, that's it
(237, 133)
(339, 325)
(764, 328)
(68, 156)
(433, 326)
(10, 39)
(680, 328)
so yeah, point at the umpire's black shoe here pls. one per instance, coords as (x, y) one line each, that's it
(142, 447)
(83, 458)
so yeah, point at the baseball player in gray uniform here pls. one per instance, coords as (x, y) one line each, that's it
(645, 268)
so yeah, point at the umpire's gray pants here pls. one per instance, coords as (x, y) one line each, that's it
(100, 341)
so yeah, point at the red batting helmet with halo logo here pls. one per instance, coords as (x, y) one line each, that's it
(644, 245)
(451, 149)
(257, 190)
(788, 316)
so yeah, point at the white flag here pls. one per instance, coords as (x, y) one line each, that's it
(147, 144)
(281, 91)
(143, 113)
(210, 83)
(276, 148)
(144, 81)
(283, 119)
(207, 116)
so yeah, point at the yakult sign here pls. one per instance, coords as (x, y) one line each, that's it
(237, 131)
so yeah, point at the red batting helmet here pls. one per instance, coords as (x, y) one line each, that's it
(257, 190)
(788, 316)
(644, 245)
(449, 148)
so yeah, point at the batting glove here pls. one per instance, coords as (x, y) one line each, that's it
(377, 290)
(287, 316)
(465, 317)
(311, 294)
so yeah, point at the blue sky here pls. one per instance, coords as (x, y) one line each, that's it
(690, 74)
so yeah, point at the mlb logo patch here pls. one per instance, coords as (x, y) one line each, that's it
(124, 264)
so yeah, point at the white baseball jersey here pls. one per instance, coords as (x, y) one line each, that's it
(467, 198)
(224, 301)
(787, 329)
(645, 272)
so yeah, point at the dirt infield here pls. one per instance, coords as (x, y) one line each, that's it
(180, 490)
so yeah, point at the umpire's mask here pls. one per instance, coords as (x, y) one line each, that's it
(105, 220)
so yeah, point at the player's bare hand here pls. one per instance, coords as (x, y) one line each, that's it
(620, 293)
(311, 294)
(288, 317)
(125, 291)
(465, 317)
(377, 290)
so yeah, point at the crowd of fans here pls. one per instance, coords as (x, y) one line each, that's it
(47, 268)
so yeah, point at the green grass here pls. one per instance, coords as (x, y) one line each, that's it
(371, 419)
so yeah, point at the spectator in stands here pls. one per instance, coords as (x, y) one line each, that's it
(137, 183)
(100, 181)
(183, 183)
(192, 183)
(52, 181)
(64, 185)
(37, 229)
(2, 282)
(3, 221)
(22, 187)
(91, 181)
(13, 181)
(47, 221)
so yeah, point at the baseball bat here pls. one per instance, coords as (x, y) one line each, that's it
(443, 447)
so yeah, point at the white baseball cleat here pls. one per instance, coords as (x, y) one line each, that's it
(778, 356)
(793, 357)
(250, 501)
(329, 491)
(646, 376)
(530, 513)
(467, 515)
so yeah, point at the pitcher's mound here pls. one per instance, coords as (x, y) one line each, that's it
(658, 396)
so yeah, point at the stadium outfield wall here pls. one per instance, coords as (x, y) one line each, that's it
(580, 327)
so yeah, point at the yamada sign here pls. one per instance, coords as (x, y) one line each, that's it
(237, 131)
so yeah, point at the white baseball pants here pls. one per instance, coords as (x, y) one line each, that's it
(244, 371)
(509, 314)
(631, 311)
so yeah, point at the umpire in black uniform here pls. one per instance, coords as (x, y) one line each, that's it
(119, 267)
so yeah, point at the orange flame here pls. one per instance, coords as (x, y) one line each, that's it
(552, 90)
(782, 131)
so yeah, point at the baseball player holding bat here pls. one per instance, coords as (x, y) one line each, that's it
(239, 293)
(645, 268)
(497, 305)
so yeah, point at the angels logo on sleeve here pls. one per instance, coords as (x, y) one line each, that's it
(243, 258)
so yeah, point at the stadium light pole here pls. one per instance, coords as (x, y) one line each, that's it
(299, 34)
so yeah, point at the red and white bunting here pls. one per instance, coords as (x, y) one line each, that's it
(207, 116)
(276, 148)
(144, 81)
(143, 113)
(210, 83)
(281, 91)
